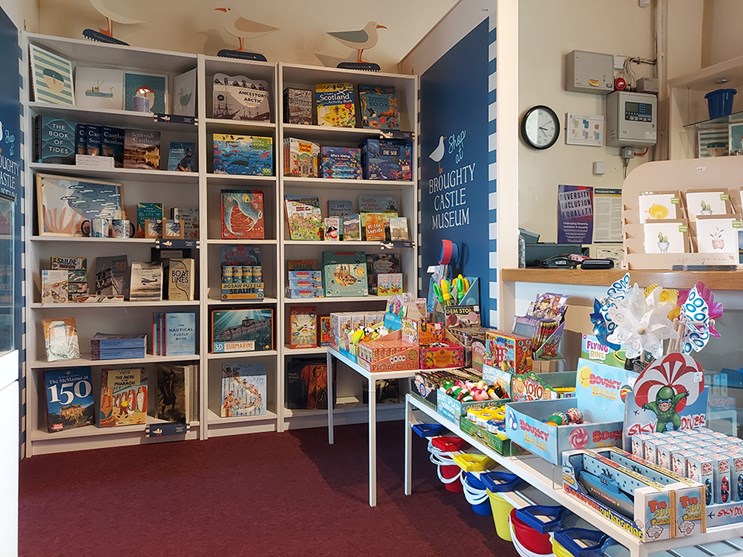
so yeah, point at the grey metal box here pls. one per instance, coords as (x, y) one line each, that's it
(589, 72)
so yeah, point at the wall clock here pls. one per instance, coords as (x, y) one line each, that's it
(540, 127)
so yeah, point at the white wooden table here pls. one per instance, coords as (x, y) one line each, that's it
(372, 378)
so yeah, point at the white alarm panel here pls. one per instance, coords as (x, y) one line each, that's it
(631, 119)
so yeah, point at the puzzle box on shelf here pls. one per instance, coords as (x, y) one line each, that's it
(387, 159)
(237, 97)
(113, 347)
(243, 154)
(242, 273)
(241, 330)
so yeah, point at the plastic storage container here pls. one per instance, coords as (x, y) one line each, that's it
(720, 102)
(441, 449)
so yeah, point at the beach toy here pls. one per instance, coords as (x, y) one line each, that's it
(578, 542)
(526, 540)
(476, 494)
(474, 462)
(425, 431)
(574, 415)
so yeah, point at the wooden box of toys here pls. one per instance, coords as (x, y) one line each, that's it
(509, 352)
(455, 398)
(388, 353)
(441, 355)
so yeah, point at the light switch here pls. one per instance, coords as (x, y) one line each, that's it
(599, 168)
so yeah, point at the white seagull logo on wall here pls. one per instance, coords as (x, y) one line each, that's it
(438, 153)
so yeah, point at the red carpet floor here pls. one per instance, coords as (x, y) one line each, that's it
(264, 494)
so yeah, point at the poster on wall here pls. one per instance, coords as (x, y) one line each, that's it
(574, 214)
(454, 158)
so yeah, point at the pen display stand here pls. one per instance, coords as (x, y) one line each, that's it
(471, 297)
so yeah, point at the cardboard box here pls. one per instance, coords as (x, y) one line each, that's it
(426, 383)
(508, 352)
(496, 441)
(453, 409)
(388, 353)
(387, 159)
(526, 428)
(551, 386)
(441, 355)
(421, 331)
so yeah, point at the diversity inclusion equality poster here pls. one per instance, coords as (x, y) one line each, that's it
(454, 159)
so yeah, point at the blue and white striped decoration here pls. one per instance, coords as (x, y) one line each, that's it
(492, 195)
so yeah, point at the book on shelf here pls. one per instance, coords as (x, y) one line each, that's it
(326, 336)
(378, 106)
(152, 211)
(123, 396)
(99, 88)
(54, 140)
(389, 284)
(306, 384)
(181, 156)
(146, 282)
(112, 144)
(380, 263)
(399, 229)
(181, 279)
(369, 203)
(331, 229)
(301, 158)
(104, 346)
(351, 227)
(77, 275)
(387, 159)
(179, 333)
(242, 215)
(242, 154)
(344, 273)
(304, 217)
(54, 286)
(184, 93)
(190, 219)
(81, 139)
(335, 104)
(112, 276)
(93, 140)
(60, 339)
(375, 226)
(243, 389)
(303, 327)
(69, 398)
(298, 106)
(341, 163)
(237, 97)
(340, 207)
(173, 383)
(241, 330)
(142, 149)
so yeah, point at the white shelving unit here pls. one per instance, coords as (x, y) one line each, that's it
(348, 387)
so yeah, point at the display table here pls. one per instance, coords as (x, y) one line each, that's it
(372, 378)
(547, 478)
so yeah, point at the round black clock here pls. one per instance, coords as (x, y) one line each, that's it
(540, 127)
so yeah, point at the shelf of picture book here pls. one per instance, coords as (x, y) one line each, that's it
(344, 275)
(374, 159)
(75, 207)
(66, 281)
(87, 145)
(119, 396)
(376, 219)
(171, 334)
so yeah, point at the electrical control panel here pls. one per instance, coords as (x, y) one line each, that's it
(631, 119)
(589, 72)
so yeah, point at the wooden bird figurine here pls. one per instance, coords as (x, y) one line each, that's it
(361, 40)
(111, 16)
(242, 28)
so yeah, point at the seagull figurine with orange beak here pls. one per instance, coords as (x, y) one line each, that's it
(242, 28)
(361, 40)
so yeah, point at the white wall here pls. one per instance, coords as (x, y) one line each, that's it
(548, 31)
(24, 13)
(722, 24)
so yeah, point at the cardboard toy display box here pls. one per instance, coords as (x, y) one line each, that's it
(509, 352)
(388, 353)
(473, 341)
(426, 383)
(441, 355)
(496, 441)
(453, 409)
(543, 386)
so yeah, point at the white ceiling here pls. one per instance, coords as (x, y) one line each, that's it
(195, 26)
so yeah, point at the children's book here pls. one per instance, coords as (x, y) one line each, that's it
(243, 154)
(243, 389)
(399, 228)
(306, 383)
(301, 158)
(123, 396)
(54, 140)
(54, 289)
(326, 336)
(181, 279)
(190, 219)
(179, 334)
(344, 274)
(339, 207)
(184, 93)
(241, 330)
(303, 327)
(237, 97)
(147, 281)
(112, 144)
(341, 163)
(351, 227)
(389, 284)
(242, 215)
(298, 106)
(380, 263)
(51, 77)
(101, 88)
(173, 392)
(377, 204)
(111, 275)
(69, 398)
(147, 211)
(375, 226)
(304, 217)
(336, 105)
(60, 339)
(379, 107)
(181, 156)
(331, 230)
(141, 149)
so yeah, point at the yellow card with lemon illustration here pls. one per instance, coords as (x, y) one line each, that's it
(660, 206)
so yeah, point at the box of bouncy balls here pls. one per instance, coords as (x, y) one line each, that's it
(592, 419)
(455, 397)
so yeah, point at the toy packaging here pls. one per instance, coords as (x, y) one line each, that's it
(241, 330)
(342, 163)
(344, 274)
(336, 105)
(379, 107)
(509, 352)
(301, 158)
(243, 154)
(388, 353)
(387, 159)
(441, 355)
(544, 386)
(242, 215)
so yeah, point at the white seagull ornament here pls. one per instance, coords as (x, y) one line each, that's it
(361, 40)
(242, 28)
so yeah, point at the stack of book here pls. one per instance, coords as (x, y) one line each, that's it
(305, 284)
(173, 333)
(114, 347)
